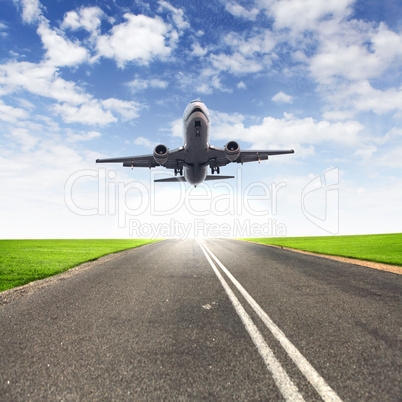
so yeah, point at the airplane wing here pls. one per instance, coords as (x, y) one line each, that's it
(217, 156)
(254, 156)
(174, 161)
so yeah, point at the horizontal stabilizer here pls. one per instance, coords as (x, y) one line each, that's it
(218, 177)
(181, 178)
(171, 179)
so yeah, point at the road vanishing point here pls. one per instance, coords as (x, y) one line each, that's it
(188, 320)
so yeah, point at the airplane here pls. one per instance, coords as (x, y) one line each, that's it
(191, 161)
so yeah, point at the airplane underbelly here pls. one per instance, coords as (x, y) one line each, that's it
(195, 174)
(196, 150)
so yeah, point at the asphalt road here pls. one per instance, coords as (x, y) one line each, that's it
(167, 321)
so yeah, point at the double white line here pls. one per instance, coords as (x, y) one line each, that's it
(282, 380)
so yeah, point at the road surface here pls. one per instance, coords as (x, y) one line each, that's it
(215, 320)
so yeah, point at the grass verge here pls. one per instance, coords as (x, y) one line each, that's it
(24, 261)
(383, 248)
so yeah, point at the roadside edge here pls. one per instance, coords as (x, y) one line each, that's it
(10, 295)
(395, 269)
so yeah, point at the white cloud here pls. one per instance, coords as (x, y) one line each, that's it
(360, 96)
(90, 113)
(353, 50)
(198, 51)
(281, 97)
(250, 45)
(177, 14)
(85, 136)
(360, 210)
(331, 63)
(127, 109)
(75, 105)
(249, 53)
(33, 199)
(366, 50)
(227, 126)
(291, 130)
(300, 15)
(373, 209)
(391, 158)
(236, 63)
(206, 82)
(26, 104)
(287, 132)
(98, 112)
(367, 152)
(138, 84)
(177, 128)
(88, 18)
(139, 39)
(40, 79)
(143, 141)
(366, 98)
(24, 138)
(61, 51)
(3, 30)
(344, 56)
(239, 11)
(210, 82)
(338, 114)
(387, 44)
(31, 11)
(394, 133)
(11, 114)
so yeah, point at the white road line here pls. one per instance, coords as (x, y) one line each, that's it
(282, 380)
(323, 389)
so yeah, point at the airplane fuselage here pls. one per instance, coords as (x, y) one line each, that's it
(196, 123)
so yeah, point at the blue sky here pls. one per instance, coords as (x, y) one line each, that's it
(81, 80)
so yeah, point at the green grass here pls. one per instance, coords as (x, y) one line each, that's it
(384, 248)
(24, 261)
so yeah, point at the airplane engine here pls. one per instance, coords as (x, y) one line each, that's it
(232, 150)
(161, 153)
